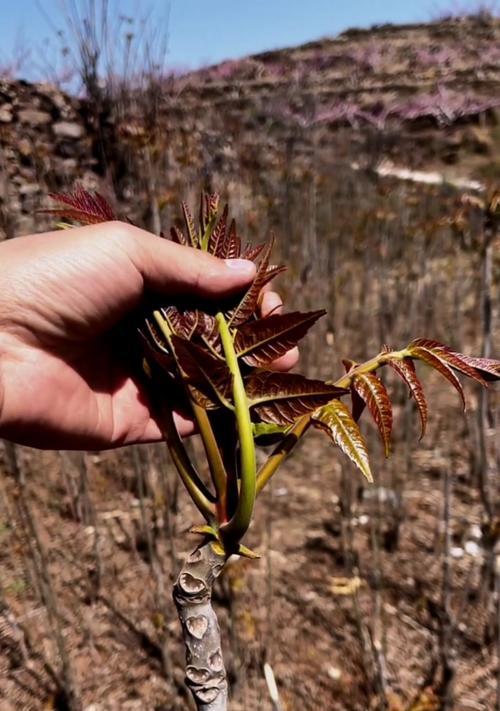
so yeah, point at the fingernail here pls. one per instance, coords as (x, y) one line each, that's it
(241, 266)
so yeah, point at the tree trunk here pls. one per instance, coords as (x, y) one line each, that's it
(205, 671)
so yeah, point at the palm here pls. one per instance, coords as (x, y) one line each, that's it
(91, 398)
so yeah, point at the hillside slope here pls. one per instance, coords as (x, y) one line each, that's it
(423, 97)
(424, 94)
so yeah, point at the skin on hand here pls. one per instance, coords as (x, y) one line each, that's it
(63, 381)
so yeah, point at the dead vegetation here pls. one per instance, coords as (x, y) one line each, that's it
(382, 597)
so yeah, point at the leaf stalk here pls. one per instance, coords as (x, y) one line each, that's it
(236, 527)
(282, 451)
(214, 458)
(201, 496)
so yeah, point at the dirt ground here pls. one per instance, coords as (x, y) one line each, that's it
(345, 605)
(365, 597)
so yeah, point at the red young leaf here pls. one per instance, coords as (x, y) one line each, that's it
(432, 359)
(372, 391)
(250, 252)
(155, 336)
(190, 322)
(406, 370)
(454, 360)
(178, 236)
(232, 244)
(182, 323)
(248, 303)
(155, 349)
(336, 420)
(273, 271)
(212, 204)
(207, 329)
(263, 341)
(358, 404)
(209, 377)
(488, 368)
(209, 205)
(217, 239)
(202, 214)
(82, 206)
(281, 398)
(191, 230)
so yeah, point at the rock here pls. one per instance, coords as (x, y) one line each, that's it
(68, 129)
(29, 189)
(24, 147)
(15, 206)
(69, 165)
(473, 549)
(334, 673)
(5, 114)
(33, 117)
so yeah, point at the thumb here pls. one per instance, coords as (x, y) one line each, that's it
(167, 267)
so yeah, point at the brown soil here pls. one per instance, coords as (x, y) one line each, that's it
(348, 603)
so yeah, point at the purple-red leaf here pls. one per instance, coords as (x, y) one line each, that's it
(263, 341)
(231, 247)
(216, 242)
(209, 204)
(189, 322)
(82, 206)
(337, 421)
(427, 355)
(248, 303)
(189, 222)
(178, 236)
(252, 252)
(182, 323)
(281, 398)
(406, 370)
(372, 391)
(273, 271)
(455, 360)
(156, 347)
(358, 404)
(155, 336)
(209, 377)
(487, 368)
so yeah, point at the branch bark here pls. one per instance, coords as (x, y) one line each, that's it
(205, 671)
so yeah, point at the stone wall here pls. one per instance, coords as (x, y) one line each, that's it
(45, 145)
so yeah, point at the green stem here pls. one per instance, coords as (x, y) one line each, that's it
(235, 529)
(202, 498)
(369, 366)
(214, 458)
(282, 451)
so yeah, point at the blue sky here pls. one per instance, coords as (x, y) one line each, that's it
(207, 31)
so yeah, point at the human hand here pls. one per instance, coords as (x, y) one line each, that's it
(62, 382)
